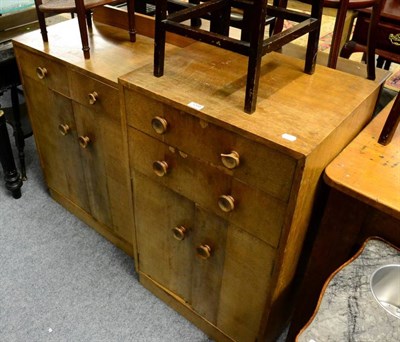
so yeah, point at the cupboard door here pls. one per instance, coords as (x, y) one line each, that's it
(54, 128)
(208, 246)
(105, 169)
(165, 255)
(245, 286)
(90, 140)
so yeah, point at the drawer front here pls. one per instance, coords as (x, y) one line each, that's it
(50, 73)
(388, 35)
(250, 162)
(255, 211)
(95, 94)
(211, 264)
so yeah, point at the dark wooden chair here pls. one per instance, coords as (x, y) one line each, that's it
(83, 9)
(342, 7)
(252, 42)
(391, 123)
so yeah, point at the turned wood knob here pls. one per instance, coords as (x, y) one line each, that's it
(179, 232)
(159, 125)
(84, 141)
(230, 160)
(203, 251)
(93, 96)
(160, 168)
(41, 72)
(64, 129)
(226, 203)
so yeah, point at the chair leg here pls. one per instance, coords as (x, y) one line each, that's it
(159, 38)
(391, 124)
(313, 39)
(42, 24)
(11, 175)
(81, 14)
(337, 34)
(220, 20)
(89, 19)
(18, 134)
(372, 37)
(131, 20)
(255, 55)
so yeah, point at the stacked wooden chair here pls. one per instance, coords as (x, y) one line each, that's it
(252, 43)
(83, 9)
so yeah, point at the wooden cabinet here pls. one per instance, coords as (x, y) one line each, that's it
(75, 113)
(77, 125)
(223, 199)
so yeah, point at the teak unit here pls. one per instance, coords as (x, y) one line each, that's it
(223, 200)
(75, 113)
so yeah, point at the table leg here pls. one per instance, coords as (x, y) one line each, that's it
(11, 175)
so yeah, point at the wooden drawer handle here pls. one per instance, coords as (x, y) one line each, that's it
(41, 72)
(226, 203)
(179, 232)
(64, 129)
(159, 124)
(84, 141)
(160, 168)
(203, 251)
(93, 96)
(230, 160)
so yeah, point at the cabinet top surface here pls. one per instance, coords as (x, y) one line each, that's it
(111, 52)
(369, 171)
(291, 104)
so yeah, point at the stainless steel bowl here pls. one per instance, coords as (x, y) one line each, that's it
(385, 286)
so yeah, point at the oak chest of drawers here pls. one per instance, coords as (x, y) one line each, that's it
(75, 113)
(223, 199)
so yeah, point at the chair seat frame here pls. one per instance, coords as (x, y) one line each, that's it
(252, 42)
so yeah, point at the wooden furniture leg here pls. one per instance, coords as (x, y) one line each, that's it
(391, 124)
(11, 175)
(18, 133)
(81, 14)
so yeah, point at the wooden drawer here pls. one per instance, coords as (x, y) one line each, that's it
(387, 33)
(44, 70)
(253, 210)
(95, 94)
(238, 267)
(259, 166)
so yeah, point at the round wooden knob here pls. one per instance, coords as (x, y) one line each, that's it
(41, 72)
(64, 129)
(159, 125)
(179, 232)
(203, 251)
(160, 168)
(230, 160)
(84, 141)
(226, 203)
(93, 96)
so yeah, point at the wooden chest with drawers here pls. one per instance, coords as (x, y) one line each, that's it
(223, 199)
